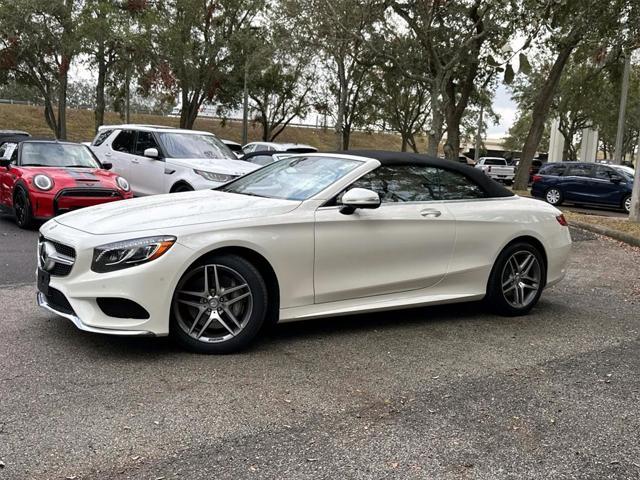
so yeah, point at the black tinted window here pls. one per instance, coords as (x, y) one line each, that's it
(261, 159)
(604, 173)
(124, 141)
(101, 137)
(145, 140)
(580, 170)
(414, 183)
(553, 170)
(494, 161)
(455, 186)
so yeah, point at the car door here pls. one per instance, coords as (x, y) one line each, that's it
(148, 173)
(119, 152)
(8, 176)
(405, 244)
(603, 189)
(576, 183)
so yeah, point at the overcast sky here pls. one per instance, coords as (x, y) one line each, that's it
(506, 108)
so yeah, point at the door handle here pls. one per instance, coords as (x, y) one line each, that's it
(108, 154)
(135, 161)
(430, 213)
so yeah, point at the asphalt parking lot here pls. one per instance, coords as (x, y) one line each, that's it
(435, 393)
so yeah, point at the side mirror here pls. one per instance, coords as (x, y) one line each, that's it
(151, 153)
(359, 198)
(107, 165)
(5, 162)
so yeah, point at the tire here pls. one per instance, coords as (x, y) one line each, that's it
(553, 196)
(22, 209)
(626, 204)
(511, 269)
(182, 187)
(215, 323)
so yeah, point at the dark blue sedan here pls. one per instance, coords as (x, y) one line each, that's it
(584, 183)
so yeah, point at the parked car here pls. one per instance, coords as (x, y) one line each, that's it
(158, 159)
(312, 235)
(13, 133)
(584, 183)
(265, 158)
(278, 147)
(43, 178)
(235, 147)
(496, 168)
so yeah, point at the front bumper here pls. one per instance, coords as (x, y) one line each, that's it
(150, 285)
(42, 301)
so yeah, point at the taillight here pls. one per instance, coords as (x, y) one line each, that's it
(536, 178)
(489, 169)
(561, 220)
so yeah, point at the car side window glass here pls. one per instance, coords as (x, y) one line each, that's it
(603, 173)
(401, 183)
(124, 141)
(455, 186)
(580, 171)
(145, 140)
(101, 137)
(554, 170)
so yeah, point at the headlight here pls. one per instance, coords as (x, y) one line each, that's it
(129, 253)
(123, 184)
(216, 177)
(43, 182)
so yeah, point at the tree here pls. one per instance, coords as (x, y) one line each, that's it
(564, 27)
(282, 76)
(517, 134)
(192, 54)
(38, 41)
(109, 41)
(459, 41)
(342, 30)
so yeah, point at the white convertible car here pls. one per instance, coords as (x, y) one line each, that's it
(313, 235)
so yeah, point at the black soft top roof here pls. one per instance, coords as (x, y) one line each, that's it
(491, 187)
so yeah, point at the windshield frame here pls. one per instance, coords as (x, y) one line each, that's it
(96, 163)
(216, 141)
(357, 164)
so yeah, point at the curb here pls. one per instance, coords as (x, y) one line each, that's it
(615, 234)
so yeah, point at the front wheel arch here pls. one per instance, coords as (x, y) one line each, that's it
(265, 269)
(181, 186)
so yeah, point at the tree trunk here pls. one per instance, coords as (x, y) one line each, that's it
(100, 103)
(434, 135)
(346, 136)
(634, 214)
(539, 114)
(61, 132)
(342, 104)
(49, 114)
(403, 147)
(189, 109)
(452, 147)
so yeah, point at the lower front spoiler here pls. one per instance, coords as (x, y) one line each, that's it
(42, 301)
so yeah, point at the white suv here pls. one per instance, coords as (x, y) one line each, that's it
(156, 159)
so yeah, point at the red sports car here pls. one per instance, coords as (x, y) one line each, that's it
(43, 178)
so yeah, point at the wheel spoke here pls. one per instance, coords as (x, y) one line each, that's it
(206, 280)
(227, 291)
(212, 316)
(233, 318)
(190, 303)
(222, 322)
(215, 274)
(193, 294)
(237, 299)
(197, 319)
(511, 287)
(527, 264)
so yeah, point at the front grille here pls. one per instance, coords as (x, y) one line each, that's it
(87, 192)
(59, 302)
(60, 269)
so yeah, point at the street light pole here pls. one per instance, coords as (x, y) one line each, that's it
(617, 158)
(245, 105)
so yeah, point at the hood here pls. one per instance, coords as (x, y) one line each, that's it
(216, 165)
(79, 177)
(172, 210)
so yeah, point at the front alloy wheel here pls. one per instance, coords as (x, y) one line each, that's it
(219, 305)
(553, 196)
(22, 209)
(627, 204)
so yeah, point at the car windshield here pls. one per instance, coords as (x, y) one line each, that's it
(194, 145)
(295, 178)
(50, 154)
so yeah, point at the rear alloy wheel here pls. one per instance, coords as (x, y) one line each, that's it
(22, 209)
(219, 305)
(553, 196)
(517, 280)
(626, 204)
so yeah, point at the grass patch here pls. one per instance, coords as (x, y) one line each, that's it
(80, 128)
(614, 223)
